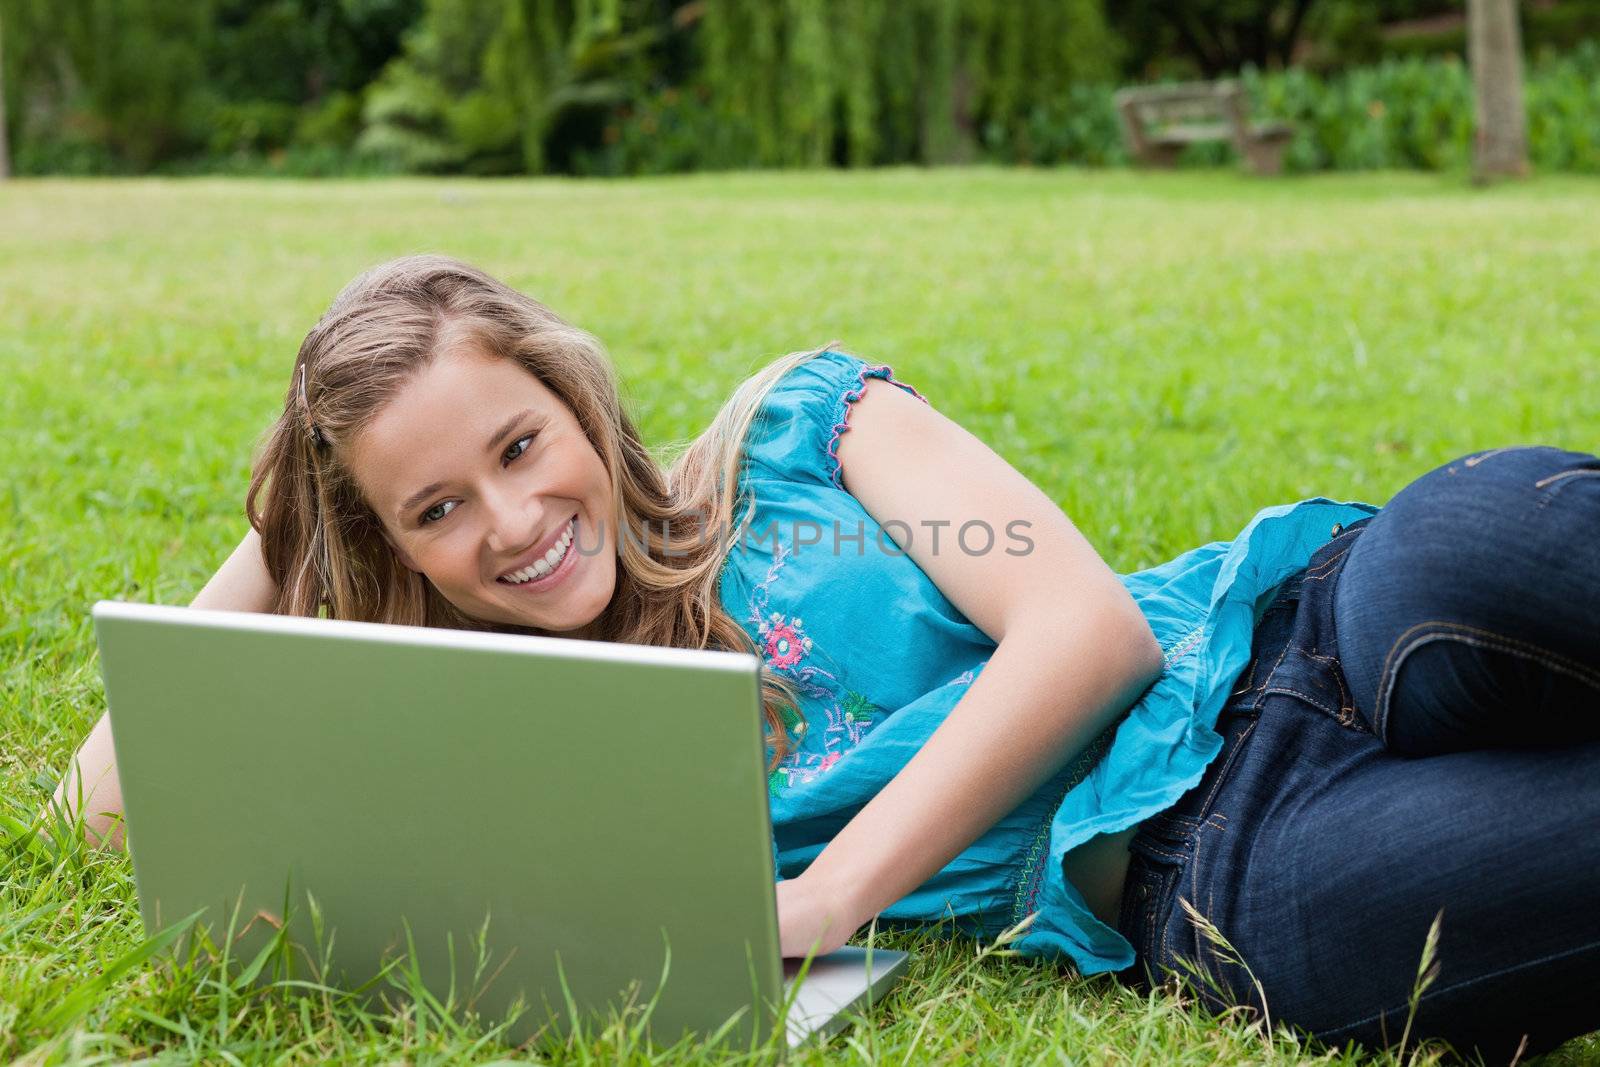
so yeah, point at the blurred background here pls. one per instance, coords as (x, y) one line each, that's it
(621, 87)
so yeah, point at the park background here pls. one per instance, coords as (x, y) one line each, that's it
(1164, 353)
(618, 87)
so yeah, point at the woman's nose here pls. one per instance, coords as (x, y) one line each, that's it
(513, 521)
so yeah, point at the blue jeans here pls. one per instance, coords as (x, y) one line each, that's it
(1416, 735)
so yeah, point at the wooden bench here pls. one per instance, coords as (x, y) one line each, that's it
(1159, 122)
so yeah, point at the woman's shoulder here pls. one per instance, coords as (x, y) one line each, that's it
(794, 434)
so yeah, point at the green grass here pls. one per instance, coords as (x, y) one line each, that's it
(1163, 354)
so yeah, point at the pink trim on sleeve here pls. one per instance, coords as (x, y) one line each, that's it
(850, 396)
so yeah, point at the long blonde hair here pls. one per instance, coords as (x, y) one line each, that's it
(325, 549)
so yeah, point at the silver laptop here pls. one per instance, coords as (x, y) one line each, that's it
(588, 818)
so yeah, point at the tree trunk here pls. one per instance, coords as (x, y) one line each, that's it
(5, 155)
(1494, 44)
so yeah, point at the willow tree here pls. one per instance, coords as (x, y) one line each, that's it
(887, 81)
(1494, 45)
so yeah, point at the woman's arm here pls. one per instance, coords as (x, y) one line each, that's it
(240, 584)
(1074, 652)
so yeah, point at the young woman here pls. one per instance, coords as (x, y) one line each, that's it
(1311, 739)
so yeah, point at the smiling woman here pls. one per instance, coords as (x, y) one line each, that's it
(1002, 733)
(507, 479)
(447, 434)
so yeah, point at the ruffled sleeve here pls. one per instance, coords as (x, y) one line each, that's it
(795, 436)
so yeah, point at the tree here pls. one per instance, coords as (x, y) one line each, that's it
(5, 156)
(1494, 45)
(1217, 36)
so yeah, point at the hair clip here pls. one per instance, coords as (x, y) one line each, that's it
(316, 434)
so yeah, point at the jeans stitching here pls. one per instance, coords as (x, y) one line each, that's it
(1486, 639)
(1163, 853)
(1204, 820)
(1348, 712)
(1153, 910)
(1211, 900)
(1209, 962)
(1581, 472)
(1194, 887)
(1227, 769)
(1347, 704)
(1322, 568)
(1473, 461)
(1268, 679)
(1339, 716)
(1464, 983)
(1171, 822)
(1149, 918)
(1162, 955)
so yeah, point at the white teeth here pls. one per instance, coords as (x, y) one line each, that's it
(542, 567)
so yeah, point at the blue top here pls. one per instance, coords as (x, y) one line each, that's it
(880, 656)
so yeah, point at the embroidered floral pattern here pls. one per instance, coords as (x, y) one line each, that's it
(846, 714)
(785, 643)
(783, 640)
(966, 677)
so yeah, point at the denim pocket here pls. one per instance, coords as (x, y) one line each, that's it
(1317, 681)
(1307, 666)
(1158, 853)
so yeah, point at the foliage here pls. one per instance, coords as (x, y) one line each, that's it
(1078, 127)
(1563, 103)
(423, 113)
(1356, 32)
(1216, 36)
(1419, 113)
(500, 86)
(112, 82)
(611, 87)
(1400, 113)
(1410, 113)
(668, 132)
(800, 83)
(860, 82)
(495, 86)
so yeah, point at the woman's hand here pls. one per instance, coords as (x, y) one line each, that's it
(813, 918)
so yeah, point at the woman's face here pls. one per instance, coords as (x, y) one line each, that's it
(479, 474)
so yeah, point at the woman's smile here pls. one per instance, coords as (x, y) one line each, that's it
(548, 567)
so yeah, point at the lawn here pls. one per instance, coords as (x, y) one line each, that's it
(1163, 354)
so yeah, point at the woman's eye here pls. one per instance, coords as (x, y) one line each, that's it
(518, 447)
(438, 511)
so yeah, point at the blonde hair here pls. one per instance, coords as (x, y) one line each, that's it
(325, 549)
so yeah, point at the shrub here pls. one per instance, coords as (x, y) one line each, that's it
(1409, 113)
(671, 131)
(1564, 112)
(234, 127)
(1079, 127)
